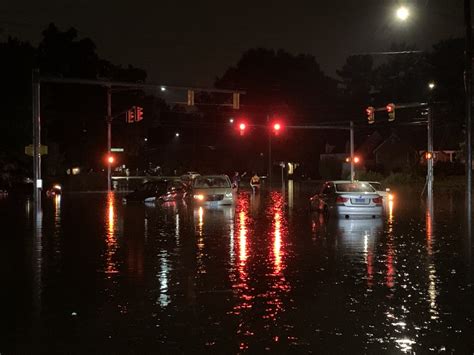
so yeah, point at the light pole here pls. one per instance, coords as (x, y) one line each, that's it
(468, 91)
(109, 135)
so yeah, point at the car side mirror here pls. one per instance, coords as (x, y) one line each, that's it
(387, 189)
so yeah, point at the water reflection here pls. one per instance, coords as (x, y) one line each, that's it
(37, 261)
(279, 285)
(111, 237)
(357, 240)
(432, 278)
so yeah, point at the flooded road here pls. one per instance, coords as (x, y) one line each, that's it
(91, 275)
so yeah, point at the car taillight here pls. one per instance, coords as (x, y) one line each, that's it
(378, 200)
(340, 199)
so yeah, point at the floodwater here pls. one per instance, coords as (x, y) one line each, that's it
(91, 275)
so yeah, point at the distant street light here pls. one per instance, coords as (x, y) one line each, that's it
(176, 134)
(231, 120)
(145, 139)
(163, 88)
(403, 13)
(431, 85)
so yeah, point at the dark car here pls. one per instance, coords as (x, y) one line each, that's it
(160, 190)
(175, 191)
(147, 192)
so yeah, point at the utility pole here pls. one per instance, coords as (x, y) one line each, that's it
(269, 151)
(430, 162)
(352, 150)
(109, 135)
(468, 88)
(36, 118)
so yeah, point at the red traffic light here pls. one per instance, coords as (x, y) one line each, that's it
(139, 115)
(130, 115)
(277, 127)
(110, 159)
(391, 111)
(242, 127)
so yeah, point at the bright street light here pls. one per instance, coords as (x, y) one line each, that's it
(176, 134)
(431, 85)
(402, 13)
(163, 88)
(231, 120)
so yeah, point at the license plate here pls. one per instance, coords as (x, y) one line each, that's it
(359, 200)
(214, 203)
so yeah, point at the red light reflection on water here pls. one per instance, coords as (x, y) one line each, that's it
(278, 284)
(277, 243)
(389, 263)
(241, 284)
(111, 238)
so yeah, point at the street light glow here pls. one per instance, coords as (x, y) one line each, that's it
(176, 134)
(110, 159)
(163, 88)
(403, 13)
(231, 120)
(431, 85)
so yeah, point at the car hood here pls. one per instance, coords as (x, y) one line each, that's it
(213, 191)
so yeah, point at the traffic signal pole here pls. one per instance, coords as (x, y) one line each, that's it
(352, 150)
(109, 136)
(468, 90)
(430, 162)
(269, 151)
(36, 124)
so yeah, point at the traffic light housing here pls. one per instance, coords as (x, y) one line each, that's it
(190, 101)
(391, 112)
(139, 114)
(370, 114)
(131, 114)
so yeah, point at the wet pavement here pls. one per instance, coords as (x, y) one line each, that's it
(91, 275)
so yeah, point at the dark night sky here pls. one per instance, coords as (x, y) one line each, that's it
(190, 43)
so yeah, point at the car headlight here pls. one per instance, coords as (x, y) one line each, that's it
(199, 197)
(228, 194)
(57, 187)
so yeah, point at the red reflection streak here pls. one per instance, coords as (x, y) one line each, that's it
(275, 304)
(390, 277)
(370, 269)
(429, 232)
(242, 238)
(277, 244)
(111, 239)
(242, 284)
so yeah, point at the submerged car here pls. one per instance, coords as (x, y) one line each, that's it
(160, 190)
(348, 198)
(213, 190)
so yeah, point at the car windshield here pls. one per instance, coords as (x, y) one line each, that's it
(377, 186)
(354, 187)
(203, 182)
